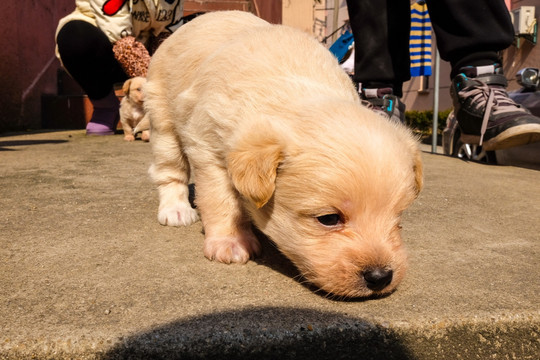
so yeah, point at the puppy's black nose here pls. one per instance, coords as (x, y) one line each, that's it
(378, 278)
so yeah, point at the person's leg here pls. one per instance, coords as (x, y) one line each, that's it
(382, 63)
(87, 55)
(470, 35)
(381, 39)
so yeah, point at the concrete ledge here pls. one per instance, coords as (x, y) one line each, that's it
(271, 333)
(86, 271)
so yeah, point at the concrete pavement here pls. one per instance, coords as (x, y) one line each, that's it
(86, 271)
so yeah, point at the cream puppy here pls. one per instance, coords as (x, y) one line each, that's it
(132, 111)
(276, 136)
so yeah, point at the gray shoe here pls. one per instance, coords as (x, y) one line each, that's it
(485, 113)
(383, 102)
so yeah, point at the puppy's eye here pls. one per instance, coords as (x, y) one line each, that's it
(329, 219)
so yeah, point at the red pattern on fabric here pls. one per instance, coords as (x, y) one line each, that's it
(111, 7)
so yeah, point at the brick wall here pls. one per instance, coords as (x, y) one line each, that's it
(28, 65)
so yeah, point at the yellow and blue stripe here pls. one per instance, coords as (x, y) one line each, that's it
(420, 40)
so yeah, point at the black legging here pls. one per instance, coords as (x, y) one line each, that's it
(469, 32)
(87, 55)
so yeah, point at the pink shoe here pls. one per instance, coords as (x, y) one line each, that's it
(105, 116)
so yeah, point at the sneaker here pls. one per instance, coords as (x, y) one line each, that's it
(382, 101)
(105, 116)
(485, 113)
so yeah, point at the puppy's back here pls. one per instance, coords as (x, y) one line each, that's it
(188, 47)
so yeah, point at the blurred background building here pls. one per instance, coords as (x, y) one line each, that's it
(34, 92)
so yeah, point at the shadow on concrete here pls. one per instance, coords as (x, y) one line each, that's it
(265, 333)
(5, 145)
(272, 258)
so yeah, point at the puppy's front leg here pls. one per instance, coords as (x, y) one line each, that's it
(128, 131)
(145, 135)
(228, 234)
(174, 206)
(170, 171)
(143, 127)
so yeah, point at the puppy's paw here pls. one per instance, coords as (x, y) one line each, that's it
(145, 135)
(179, 214)
(129, 137)
(228, 249)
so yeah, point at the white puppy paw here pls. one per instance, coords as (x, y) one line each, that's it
(232, 249)
(179, 214)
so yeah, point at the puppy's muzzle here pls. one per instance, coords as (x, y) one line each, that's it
(378, 278)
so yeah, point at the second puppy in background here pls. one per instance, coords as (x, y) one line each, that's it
(132, 111)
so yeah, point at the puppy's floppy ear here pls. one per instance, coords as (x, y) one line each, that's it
(126, 86)
(253, 167)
